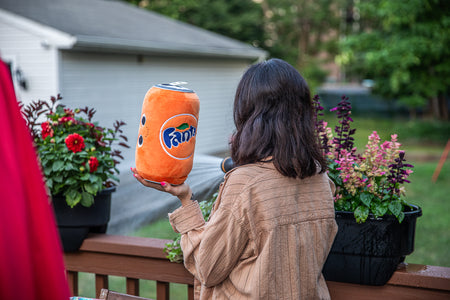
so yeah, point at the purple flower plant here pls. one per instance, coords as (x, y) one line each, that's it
(344, 139)
(398, 173)
(320, 124)
(366, 182)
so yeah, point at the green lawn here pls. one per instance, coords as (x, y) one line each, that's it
(432, 229)
(421, 137)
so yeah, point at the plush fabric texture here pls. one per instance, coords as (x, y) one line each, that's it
(31, 257)
(267, 238)
(167, 134)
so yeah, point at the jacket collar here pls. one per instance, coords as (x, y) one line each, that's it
(266, 163)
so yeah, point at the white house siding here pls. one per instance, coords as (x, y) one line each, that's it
(115, 85)
(37, 63)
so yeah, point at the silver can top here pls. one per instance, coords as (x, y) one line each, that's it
(175, 86)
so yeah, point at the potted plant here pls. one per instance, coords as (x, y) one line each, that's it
(78, 163)
(376, 223)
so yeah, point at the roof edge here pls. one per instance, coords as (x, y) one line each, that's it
(92, 42)
(49, 35)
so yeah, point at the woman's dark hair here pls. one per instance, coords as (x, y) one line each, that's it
(273, 115)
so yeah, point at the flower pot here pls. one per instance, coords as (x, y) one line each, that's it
(75, 223)
(369, 253)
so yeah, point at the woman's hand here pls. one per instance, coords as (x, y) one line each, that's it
(182, 191)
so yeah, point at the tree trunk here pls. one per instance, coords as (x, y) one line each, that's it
(434, 107)
(438, 108)
(443, 108)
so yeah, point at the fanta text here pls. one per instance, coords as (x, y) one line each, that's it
(174, 138)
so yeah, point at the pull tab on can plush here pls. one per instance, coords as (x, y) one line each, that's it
(167, 133)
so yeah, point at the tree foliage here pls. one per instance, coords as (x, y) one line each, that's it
(294, 30)
(300, 29)
(304, 32)
(403, 47)
(238, 19)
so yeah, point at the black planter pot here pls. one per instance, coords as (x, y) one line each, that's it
(75, 223)
(369, 253)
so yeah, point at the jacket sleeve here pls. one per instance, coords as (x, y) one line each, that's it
(212, 249)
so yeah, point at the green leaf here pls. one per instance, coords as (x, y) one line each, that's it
(69, 166)
(379, 209)
(400, 217)
(387, 197)
(58, 178)
(71, 181)
(57, 188)
(396, 208)
(57, 165)
(361, 213)
(47, 171)
(366, 199)
(83, 154)
(72, 197)
(87, 199)
(93, 178)
(183, 126)
(90, 188)
(85, 176)
(49, 183)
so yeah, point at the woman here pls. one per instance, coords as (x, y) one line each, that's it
(272, 225)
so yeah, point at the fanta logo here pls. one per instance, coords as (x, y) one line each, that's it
(173, 137)
(177, 136)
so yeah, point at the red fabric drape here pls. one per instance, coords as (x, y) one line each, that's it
(31, 257)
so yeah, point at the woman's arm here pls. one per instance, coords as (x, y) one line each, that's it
(211, 250)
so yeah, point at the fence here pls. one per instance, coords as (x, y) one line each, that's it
(143, 258)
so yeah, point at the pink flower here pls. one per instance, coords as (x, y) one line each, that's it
(386, 145)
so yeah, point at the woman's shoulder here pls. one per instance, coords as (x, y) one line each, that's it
(239, 184)
(261, 176)
(248, 175)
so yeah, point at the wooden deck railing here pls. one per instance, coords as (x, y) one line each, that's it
(143, 258)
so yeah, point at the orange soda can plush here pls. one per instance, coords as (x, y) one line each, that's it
(167, 133)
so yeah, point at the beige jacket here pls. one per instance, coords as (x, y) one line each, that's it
(267, 238)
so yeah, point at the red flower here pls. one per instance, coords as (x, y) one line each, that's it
(74, 142)
(46, 130)
(93, 164)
